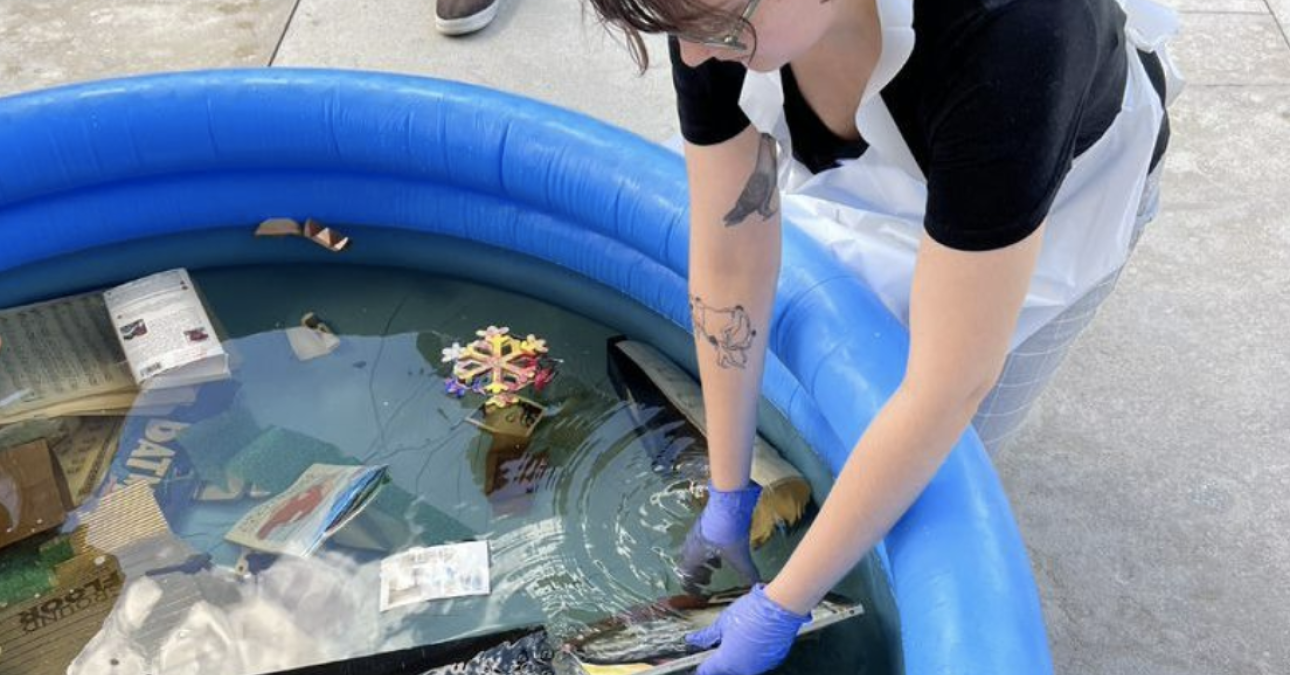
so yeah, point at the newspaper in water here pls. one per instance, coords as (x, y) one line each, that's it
(318, 504)
(434, 573)
(61, 353)
(167, 335)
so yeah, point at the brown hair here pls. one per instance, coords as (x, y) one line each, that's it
(691, 18)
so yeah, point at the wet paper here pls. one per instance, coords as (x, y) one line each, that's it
(434, 573)
(61, 358)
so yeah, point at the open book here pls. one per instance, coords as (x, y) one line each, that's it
(316, 506)
(98, 353)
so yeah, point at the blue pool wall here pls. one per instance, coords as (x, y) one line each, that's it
(144, 159)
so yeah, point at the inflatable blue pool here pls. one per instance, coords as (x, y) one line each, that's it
(143, 160)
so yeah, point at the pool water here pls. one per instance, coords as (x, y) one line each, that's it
(580, 523)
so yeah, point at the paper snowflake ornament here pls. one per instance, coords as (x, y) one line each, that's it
(498, 365)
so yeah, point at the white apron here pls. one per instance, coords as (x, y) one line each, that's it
(869, 211)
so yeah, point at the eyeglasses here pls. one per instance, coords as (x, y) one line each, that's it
(731, 40)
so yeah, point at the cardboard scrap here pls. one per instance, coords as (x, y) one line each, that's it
(325, 236)
(34, 496)
(278, 227)
(312, 229)
(44, 635)
(45, 625)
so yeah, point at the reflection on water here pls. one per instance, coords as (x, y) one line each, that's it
(208, 619)
(583, 519)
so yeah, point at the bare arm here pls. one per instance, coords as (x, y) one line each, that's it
(734, 265)
(963, 309)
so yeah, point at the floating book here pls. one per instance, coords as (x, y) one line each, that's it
(165, 331)
(132, 348)
(316, 506)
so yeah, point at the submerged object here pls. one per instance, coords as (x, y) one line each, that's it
(641, 374)
(312, 338)
(512, 472)
(650, 640)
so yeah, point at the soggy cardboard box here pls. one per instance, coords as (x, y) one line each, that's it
(34, 496)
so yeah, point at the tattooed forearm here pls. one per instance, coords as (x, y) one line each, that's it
(728, 330)
(761, 192)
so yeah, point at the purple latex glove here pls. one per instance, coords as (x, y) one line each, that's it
(755, 634)
(720, 536)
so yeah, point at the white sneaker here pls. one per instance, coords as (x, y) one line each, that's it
(459, 17)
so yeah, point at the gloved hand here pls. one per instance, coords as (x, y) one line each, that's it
(720, 535)
(755, 635)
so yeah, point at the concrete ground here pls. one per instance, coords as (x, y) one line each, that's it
(1153, 481)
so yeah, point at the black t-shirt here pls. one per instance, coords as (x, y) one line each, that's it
(996, 100)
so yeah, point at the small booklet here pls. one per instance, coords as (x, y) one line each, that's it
(315, 507)
(87, 354)
(166, 334)
(434, 573)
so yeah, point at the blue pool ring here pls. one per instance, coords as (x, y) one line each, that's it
(136, 159)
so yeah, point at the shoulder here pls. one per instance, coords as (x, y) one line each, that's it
(1004, 106)
(962, 46)
(944, 24)
(707, 98)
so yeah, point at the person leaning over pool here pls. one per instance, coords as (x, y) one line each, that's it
(985, 166)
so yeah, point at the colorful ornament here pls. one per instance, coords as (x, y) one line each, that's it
(453, 353)
(498, 365)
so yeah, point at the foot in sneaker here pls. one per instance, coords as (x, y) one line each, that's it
(459, 17)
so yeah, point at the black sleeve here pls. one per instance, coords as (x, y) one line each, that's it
(707, 98)
(1002, 131)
